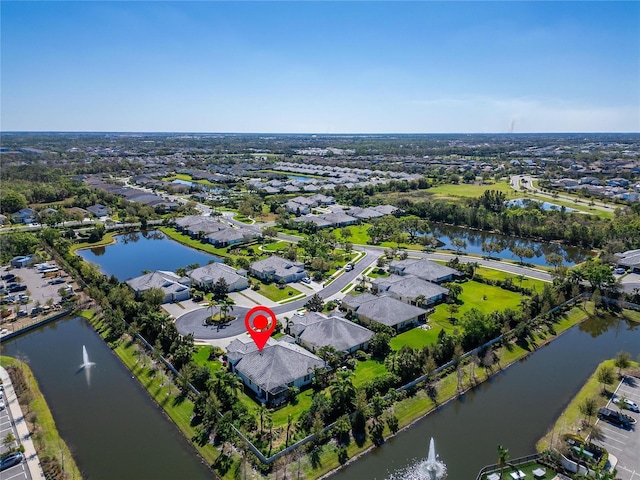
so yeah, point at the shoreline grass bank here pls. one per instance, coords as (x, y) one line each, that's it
(40, 422)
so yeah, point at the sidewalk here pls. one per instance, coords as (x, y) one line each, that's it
(24, 437)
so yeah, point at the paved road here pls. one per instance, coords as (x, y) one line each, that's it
(525, 182)
(192, 322)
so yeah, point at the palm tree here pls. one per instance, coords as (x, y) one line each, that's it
(211, 304)
(342, 391)
(503, 458)
(225, 307)
(262, 412)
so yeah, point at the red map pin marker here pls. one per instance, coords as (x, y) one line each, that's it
(260, 322)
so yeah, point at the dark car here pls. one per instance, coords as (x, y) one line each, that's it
(57, 281)
(10, 460)
(17, 288)
(8, 277)
(616, 418)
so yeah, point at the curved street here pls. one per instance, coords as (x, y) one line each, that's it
(192, 322)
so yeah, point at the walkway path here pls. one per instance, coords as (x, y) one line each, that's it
(24, 437)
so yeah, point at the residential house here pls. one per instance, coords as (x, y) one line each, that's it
(175, 288)
(99, 210)
(316, 330)
(270, 372)
(384, 310)
(278, 269)
(25, 215)
(629, 260)
(205, 277)
(410, 289)
(424, 269)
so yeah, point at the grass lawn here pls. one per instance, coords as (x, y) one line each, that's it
(107, 239)
(415, 338)
(472, 294)
(272, 292)
(275, 246)
(359, 234)
(469, 190)
(201, 357)
(190, 242)
(367, 370)
(491, 274)
(374, 273)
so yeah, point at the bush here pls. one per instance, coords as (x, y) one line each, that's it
(362, 355)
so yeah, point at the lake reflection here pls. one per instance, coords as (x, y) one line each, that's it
(475, 239)
(137, 252)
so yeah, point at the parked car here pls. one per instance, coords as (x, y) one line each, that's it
(306, 280)
(619, 271)
(17, 288)
(56, 281)
(22, 313)
(1, 406)
(36, 310)
(11, 460)
(631, 405)
(348, 267)
(9, 277)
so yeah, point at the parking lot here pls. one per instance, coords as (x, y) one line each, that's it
(43, 293)
(20, 471)
(624, 443)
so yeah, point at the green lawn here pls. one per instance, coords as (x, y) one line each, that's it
(201, 357)
(367, 370)
(190, 242)
(491, 274)
(275, 246)
(469, 190)
(416, 338)
(472, 296)
(272, 292)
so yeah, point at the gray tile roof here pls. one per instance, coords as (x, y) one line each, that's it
(168, 281)
(409, 286)
(277, 365)
(277, 266)
(383, 309)
(425, 269)
(213, 272)
(337, 332)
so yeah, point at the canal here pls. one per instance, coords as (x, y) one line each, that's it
(515, 408)
(113, 428)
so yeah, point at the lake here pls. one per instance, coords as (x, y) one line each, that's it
(135, 252)
(524, 202)
(475, 239)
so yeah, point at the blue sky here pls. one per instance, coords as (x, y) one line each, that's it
(321, 67)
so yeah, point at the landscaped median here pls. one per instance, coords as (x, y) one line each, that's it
(53, 453)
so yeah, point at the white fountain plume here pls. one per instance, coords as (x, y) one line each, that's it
(85, 359)
(429, 469)
(435, 468)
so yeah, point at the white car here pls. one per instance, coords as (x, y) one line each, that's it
(631, 405)
(1, 405)
(628, 404)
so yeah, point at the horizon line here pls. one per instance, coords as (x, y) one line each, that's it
(315, 134)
